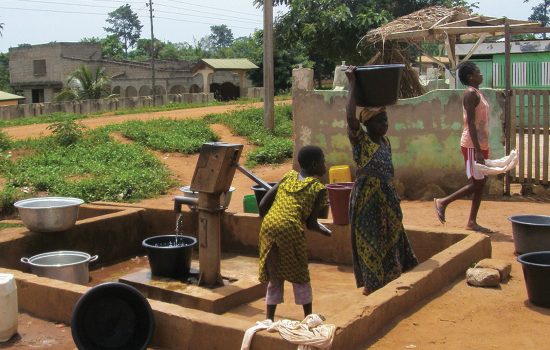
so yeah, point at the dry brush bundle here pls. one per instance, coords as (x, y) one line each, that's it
(421, 19)
(392, 53)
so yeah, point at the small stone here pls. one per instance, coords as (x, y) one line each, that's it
(503, 267)
(482, 277)
(410, 346)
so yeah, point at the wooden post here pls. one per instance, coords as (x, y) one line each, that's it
(269, 104)
(508, 132)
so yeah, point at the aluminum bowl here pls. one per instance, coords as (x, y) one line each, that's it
(49, 214)
(225, 197)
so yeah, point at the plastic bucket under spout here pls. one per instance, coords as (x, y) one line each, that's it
(338, 195)
(170, 255)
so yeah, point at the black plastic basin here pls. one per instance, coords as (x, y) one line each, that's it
(112, 316)
(378, 85)
(536, 271)
(170, 255)
(531, 233)
(260, 192)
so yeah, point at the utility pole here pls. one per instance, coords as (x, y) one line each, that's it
(152, 51)
(269, 105)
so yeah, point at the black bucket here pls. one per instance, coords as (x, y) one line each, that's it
(170, 255)
(378, 85)
(536, 271)
(260, 192)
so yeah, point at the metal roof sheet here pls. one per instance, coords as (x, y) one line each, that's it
(229, 63)
(6, 96)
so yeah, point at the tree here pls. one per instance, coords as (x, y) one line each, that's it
(110, 46)
(125, 25)
(5, 73)
(541, 13)
(221, 37)
(83, 85)
(142, 51)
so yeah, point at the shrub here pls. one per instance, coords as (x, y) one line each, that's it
(66, 132)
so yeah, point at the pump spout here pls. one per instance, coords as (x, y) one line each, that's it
(181, 200)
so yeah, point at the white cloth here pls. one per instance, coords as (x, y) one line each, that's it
(308, 334)
(498, 166)
(249, 333)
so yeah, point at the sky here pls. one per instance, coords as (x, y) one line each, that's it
(44, 21)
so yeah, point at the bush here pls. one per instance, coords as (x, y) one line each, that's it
(5, 141)
(66, 132)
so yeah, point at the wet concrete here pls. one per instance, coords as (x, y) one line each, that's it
(445, 254)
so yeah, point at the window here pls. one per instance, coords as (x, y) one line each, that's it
(39, 67)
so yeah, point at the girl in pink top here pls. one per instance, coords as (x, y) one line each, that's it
(474, 144)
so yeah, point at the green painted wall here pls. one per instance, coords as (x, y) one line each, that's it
(424, 132)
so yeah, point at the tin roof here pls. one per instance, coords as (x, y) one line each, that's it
(228, 63)
(6, 96)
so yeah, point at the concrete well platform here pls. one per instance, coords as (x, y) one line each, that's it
(444, 256)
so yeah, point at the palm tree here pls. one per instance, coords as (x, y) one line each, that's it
(83, 85)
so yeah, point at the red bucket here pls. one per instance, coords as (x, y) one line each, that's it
(338, 195)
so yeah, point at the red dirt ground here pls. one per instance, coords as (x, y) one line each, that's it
(459, 317)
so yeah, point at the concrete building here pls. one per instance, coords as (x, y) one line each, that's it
(41, 71)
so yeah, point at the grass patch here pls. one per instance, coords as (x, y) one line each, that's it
(167, 107)
(8, 225)
(167, 135)
(273, 147)
(93, 168)
(46, 118)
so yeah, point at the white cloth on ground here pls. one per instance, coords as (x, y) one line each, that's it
(498, 166)
(308, 334)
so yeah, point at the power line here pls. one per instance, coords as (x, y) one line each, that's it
(185, 9)
(183, 14)
(58, 11)
(212, 24)
(63, 3)
(211, 7)
(103, 14)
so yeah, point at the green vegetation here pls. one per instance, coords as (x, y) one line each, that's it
(46, 118)
(67, 132)
(169, 107)
(273, 147)
(82, 84)
(167, 135)
(94, 167)
(4, 225)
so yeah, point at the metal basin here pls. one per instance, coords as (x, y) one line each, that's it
(49, 214)
(531, 233)
(64, 265)
(225, 198)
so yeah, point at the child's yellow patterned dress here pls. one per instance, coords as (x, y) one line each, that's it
(283, 226)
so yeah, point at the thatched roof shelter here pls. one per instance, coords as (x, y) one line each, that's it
(443, 24)
(433, 24)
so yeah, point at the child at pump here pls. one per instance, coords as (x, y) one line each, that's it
(296, 201)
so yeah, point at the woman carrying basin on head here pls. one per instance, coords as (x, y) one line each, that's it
(380, 247)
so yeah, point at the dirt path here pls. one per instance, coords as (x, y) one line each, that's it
(38, 130)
